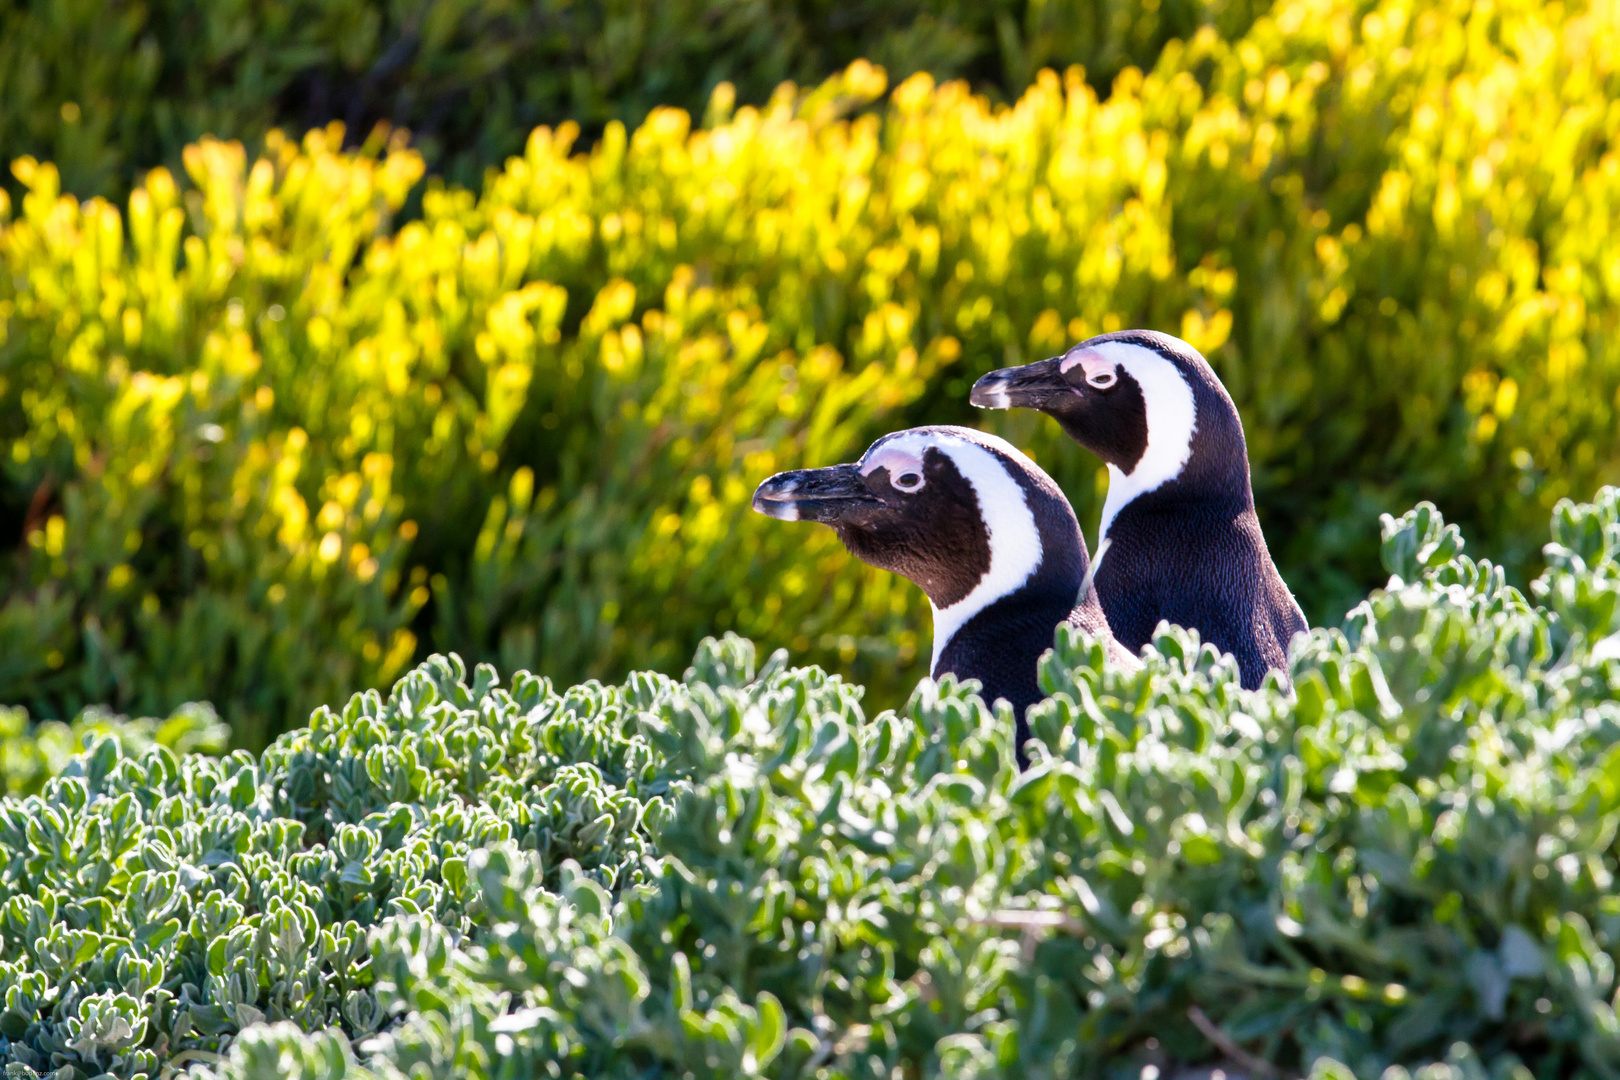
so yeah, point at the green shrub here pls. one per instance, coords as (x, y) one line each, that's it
(1410, 859)
(108, 93)
(253, 427)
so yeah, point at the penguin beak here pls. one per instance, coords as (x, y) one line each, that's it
(827, 495)
(1032, 386)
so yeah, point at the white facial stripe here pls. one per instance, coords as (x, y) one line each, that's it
(1172, 417)
(910, 445)
(1015, 542)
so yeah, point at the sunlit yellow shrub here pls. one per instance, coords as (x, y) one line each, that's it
(184, 535)
(269, 442)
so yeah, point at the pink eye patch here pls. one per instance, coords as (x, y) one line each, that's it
(1091, 362)
(897, 459)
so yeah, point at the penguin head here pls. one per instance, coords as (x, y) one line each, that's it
(962, 514)
(1147, 403)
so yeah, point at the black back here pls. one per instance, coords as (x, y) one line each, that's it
(1200, 565)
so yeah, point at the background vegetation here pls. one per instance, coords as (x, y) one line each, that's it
(287, 415)
(109, 91)
(268, 434)
(1406, 864)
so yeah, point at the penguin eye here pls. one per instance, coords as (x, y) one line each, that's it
(1102, 380)
(908, 481)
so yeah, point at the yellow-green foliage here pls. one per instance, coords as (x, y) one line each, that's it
(254, 427)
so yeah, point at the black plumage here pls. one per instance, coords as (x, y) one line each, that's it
(1001, 646)
(1179, 539)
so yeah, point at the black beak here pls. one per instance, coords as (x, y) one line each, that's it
(1032, 386)
(827, 495)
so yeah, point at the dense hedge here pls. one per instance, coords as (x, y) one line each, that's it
(1411, 858)
(106, 92)
(264, 447)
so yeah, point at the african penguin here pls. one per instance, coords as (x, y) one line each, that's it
(1179, 539)
(980, 528)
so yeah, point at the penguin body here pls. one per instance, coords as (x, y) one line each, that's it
(1178, 539)
(985, 533)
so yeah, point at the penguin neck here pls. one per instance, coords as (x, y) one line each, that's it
(1012, 514)
(1015, 620)
(1213, 470)
(1231, 494)
(1001, 644)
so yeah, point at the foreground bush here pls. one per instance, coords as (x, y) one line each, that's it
(251, 429)
(105, 93)
(1410, 859)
